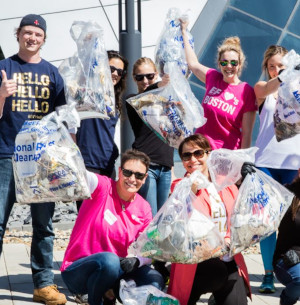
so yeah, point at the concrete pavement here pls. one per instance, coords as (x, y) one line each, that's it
(16, 286)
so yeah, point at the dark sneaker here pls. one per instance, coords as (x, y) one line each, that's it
(81, 299)
(211, 300)
(267, 285)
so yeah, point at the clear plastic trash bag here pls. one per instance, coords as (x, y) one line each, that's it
(172, 112)
(47, 164)
(225, 165)
(259, 208)
(87, 73)
(144, 295)
(287, 110)
(181, 232)
(170, 47)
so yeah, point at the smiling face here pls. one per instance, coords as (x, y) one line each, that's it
(30, 39)
(230, 72)
(128, 186)
(274, 65)
(195, 163)
(119, 64)
(145, 68)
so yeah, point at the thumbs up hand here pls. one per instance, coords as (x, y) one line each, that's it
(8, 86)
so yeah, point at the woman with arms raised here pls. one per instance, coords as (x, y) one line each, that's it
(229, 103)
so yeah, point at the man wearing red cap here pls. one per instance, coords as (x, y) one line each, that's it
(30, 88)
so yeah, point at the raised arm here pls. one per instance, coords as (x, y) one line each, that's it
(262, 89)
(198, 69)
(92, 181)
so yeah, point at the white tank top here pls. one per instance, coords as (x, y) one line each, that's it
(273, 154)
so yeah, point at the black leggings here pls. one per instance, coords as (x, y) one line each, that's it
(220, 278)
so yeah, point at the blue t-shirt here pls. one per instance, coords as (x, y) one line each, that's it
(40, 89)
(95, 139)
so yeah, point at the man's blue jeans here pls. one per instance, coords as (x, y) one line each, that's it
(157, 187)
(42, 238)
(97, 273)
(289, 277)
(7, 195)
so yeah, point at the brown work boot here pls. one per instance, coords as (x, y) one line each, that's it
(49, 295)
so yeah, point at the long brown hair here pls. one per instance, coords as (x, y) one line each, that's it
(120, 87)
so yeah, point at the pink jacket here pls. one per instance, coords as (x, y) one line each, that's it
(182, 275)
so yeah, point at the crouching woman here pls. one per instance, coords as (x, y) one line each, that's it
(95, 260)
(227, 278)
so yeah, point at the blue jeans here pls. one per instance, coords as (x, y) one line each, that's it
(267, 246)
(290, 278)
(157, 186)
(42, 237)
(97, 273)
(7, 195)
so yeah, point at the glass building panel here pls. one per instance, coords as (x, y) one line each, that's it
(255, 37)
(274, 11)
(199, 92)
(194, 79)
(291, 42)
(294, 26)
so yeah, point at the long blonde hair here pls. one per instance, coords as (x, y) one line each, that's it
(271, 51)
(232, 44)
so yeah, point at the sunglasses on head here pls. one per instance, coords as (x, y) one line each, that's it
(128, 173)
(224, 63)
(199, 153)
(119, 71)
(140, 77)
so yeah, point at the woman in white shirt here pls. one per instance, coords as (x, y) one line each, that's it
(280, 160)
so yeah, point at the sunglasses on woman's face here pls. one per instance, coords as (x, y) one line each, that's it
(128, 173)
(140, 77)
(119, 71)
(224, 63)
(198, 154)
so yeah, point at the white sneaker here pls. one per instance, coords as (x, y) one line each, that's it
(81, 299)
